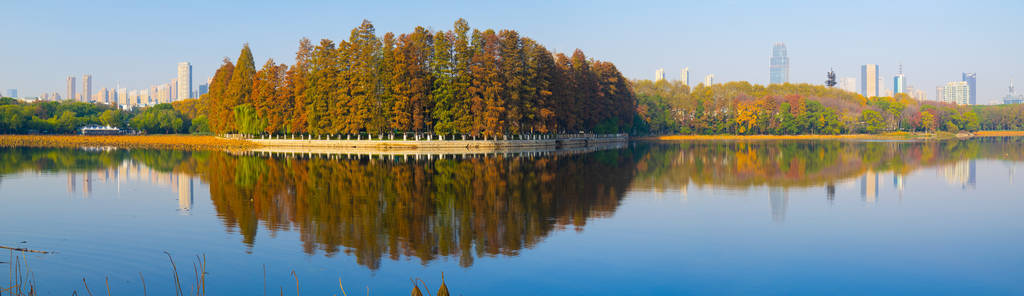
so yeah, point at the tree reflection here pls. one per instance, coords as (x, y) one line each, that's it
(741, 165)
(372, 208)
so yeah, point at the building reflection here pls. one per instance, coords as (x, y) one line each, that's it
(869, 187)
(779, 199)
(898, 184)
(830, 192)
(130, 171)
(962, 173)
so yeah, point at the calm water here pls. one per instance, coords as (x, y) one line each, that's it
(664, 218)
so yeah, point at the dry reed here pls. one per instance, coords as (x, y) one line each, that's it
(176, 142)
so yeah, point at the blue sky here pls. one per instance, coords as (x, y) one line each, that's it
(139, 42)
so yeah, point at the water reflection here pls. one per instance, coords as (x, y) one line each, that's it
(462, 207)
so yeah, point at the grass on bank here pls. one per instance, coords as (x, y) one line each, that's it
(177, 142)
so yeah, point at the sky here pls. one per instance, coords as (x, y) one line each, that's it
(139, 43)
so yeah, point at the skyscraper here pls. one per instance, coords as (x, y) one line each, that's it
(869, 80)
(112, 96)
(174, 88)
(971, 79)
(659, 75)
(71, 88)
(848, 84)
(898, 84)
(103, 96)
(203, 89)
(938, 94)
(779, 64)
(122, 97)
(86, 87)
(184, 87)
(957, 92)
(709, 80)
(164, 93)
(686, 76)
(13, 93)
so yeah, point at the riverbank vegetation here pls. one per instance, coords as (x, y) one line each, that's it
(66, 117)
(741, 108)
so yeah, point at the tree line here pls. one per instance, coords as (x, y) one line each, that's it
(742, 108)
(67, 117)
(478, 83)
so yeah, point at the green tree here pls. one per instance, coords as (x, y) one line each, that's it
(115, 118)
(872, 121)
(248, 121)
(239, 89)
(443, 95)
(321, 89)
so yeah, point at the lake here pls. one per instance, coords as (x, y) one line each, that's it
(726, 217)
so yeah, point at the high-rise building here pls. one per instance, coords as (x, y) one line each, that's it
(779, 64)
(938, 94)
(144, 97)
(899, 83)
(659, 75)
(971, 79)
(86, 87)
(71, 88)
(103, 96)
(164, 93)
(122, 96)
(112, 96)
(848, 84)
(685, 78)
(13, 93)
(174, 88)
(203, 89)
(184, 87)
(154, 95)
(920, 94)
(917, 94)
(869, 80)
(709, 80)
(957, 92)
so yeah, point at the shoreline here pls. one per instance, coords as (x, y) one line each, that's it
(207, 142)
(173, 142)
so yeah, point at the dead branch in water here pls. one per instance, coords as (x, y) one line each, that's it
(25, 250)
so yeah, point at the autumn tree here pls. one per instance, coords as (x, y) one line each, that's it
(239, 89)
(271, 97)
(297, 77)
(216, 99)
(361, 57)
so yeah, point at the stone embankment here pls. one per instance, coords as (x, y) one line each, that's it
(286, 143)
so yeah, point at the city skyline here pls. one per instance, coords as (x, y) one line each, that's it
(734, 52)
